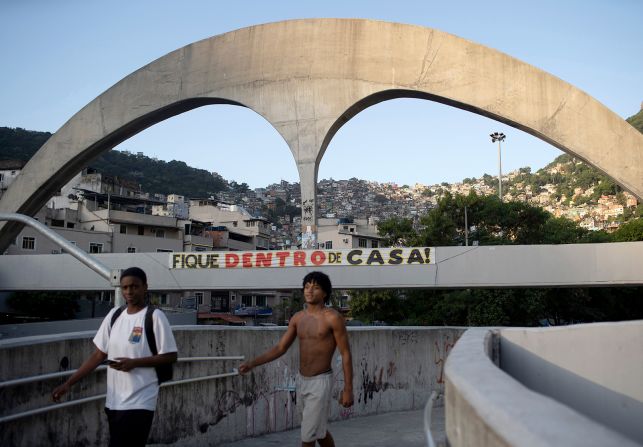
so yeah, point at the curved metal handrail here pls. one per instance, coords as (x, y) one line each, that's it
(83, 400)
(428, 410)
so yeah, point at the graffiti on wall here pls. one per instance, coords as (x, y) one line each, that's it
(270, 403)
(440, 353)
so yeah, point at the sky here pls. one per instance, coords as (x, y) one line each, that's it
(57, 56)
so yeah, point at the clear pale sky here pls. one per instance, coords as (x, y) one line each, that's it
(57, 56)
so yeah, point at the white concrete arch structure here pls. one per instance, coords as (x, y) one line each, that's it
(309, 77)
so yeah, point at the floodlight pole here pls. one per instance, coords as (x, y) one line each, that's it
(499, 137)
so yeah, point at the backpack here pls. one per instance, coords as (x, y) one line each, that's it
(164, 371)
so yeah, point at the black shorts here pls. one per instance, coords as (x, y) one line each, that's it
(129, 428)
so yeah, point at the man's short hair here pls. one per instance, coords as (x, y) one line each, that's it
(322, 280)
(136, 272)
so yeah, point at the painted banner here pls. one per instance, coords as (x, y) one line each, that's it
(302, 258)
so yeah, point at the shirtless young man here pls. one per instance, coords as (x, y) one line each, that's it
(320, 330)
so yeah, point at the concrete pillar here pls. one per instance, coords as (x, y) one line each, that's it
(308, 181)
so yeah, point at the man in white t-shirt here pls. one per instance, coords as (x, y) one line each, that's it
(132, 383)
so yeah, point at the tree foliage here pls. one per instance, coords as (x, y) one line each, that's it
(629, 232)
(493, 222)
(397, 231)
(498, 307)
(45, 306)
(154, 176)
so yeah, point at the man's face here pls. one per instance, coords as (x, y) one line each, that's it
(133, 290)
(313, 293)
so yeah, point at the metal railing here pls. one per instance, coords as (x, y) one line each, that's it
(83, 400)
(428, 411)
(113, 276)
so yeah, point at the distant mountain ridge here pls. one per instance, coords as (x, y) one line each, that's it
(154, 176)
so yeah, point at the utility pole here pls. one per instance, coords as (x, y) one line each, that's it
(466, 228)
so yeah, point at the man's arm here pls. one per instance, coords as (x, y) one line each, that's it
(95, 359)
(276, 351)
(341, 339)
(126, 364)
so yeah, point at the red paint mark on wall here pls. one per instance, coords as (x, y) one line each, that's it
(440, 352)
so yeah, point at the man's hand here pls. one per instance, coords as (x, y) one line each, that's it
(123, 364)
(245, 368)
(346, 398)
(59, 391)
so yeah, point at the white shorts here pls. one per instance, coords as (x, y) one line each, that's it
(315, 393)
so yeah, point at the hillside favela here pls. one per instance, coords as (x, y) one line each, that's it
(270, 217)
(150, 302)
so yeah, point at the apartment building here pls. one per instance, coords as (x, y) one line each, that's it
(9, 170)
(232, 223)
(347, 233)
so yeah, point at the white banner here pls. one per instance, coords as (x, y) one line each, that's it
(302, 258)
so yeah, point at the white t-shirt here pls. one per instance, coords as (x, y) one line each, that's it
(138, 388)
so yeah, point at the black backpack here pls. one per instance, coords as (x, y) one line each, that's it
(164, 371)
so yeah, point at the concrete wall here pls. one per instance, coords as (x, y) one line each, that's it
(394, 369)
(596, 369)
(583, 265)
(484, 406)
(82, 324)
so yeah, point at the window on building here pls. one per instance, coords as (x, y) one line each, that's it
(95, 247)
(361, 242)
(352, 230)
(375, 244)
(199, 297)
(163, 250)
(123, 229)
(160, 233)
(131, 249)
(246, 300)
(199, 248)
(141, 230)
(219, 302)
(163, 299)
(329, 245)
(70, 225)
(57, 223)
(28, 243)
(261, 300)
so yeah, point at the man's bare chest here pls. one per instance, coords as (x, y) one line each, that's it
(313, 328)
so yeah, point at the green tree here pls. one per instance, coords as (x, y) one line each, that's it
(559, 230)
(376, 305)
(397, 231)
(629, 232)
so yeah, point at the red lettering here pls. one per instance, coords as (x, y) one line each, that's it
(247, 259)
(264, 259)
(282, 255)
(231, 260)
(300, 258)
(318, 257)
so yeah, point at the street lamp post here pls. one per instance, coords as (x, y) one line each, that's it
(499, 137)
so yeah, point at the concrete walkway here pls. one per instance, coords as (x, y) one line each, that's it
(399, 429)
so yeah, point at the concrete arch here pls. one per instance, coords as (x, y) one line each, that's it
(308, 77)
